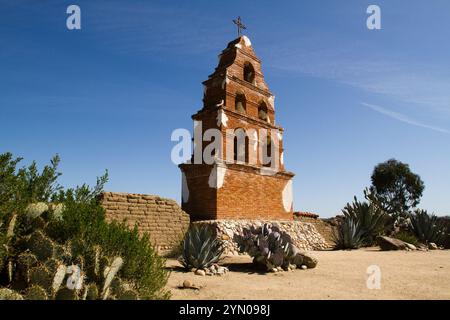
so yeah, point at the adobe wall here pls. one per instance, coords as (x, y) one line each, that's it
(162, 218)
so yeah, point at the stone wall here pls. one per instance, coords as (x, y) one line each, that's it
(162, 218)
(304, 235)
(324, 227)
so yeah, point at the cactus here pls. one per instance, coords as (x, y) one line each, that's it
(26, 261)
(116, 285)
(40, 245)
(35, 293)
(79, 261)
(35, 210)
(268, 245)
(128, 295)
(11, 226)
(58, 278)
(40, 276)
(96, 262)
(52, 264)
(109, 274)
(66, 294)
(8, 294)
(62, 253)
(91, 292)
(57, 211)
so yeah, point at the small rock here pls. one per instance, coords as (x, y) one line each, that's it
(304, 267)
(221, 270)
(274, 270)
(187, 284)
(432, 246)
(200, 272)
(388, 243)
(410, 246)
(309, 259)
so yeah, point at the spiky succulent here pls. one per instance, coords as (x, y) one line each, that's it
(348, 235)
(201, 248)
(369, 218)
(427, 227)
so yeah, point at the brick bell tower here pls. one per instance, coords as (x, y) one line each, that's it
(238, 183)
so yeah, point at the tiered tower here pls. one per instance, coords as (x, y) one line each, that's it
(239, 183)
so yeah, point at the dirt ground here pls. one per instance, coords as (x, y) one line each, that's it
(339, 275)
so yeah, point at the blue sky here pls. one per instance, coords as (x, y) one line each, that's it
(109, 95)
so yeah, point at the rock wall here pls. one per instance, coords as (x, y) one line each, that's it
(162, 218)
(304, 235)
(324, 227)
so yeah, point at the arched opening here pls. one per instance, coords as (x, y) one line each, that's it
(240, 145)
(267, 155)
(240, 103)
(249, 72)
(262, 111)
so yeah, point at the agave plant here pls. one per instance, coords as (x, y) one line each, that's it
(201, 248)
(427, 228)
(369, 218)
(348, 235)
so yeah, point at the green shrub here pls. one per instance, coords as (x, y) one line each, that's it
(407, 237)
(201, 248)
(57, 228)
(427, 228)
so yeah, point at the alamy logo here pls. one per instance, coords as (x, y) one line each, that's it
(374, 20)
(374, 278)
(73, 21)
(250, 146)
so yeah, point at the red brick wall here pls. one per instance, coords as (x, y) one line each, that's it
(247, 191)
(247, 195)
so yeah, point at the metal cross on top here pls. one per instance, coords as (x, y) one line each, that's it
(239, 25)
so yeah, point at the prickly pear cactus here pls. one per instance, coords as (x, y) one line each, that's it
(59, 276)
(66, 294)
(128, 295)
(268, 245)
(41, 245)
(91, 292)
(36, 293)
(26, 261)
(35, 210)
(62, 253)
(40, 276)
(8, 294)
(109, 274)
(57, 211)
